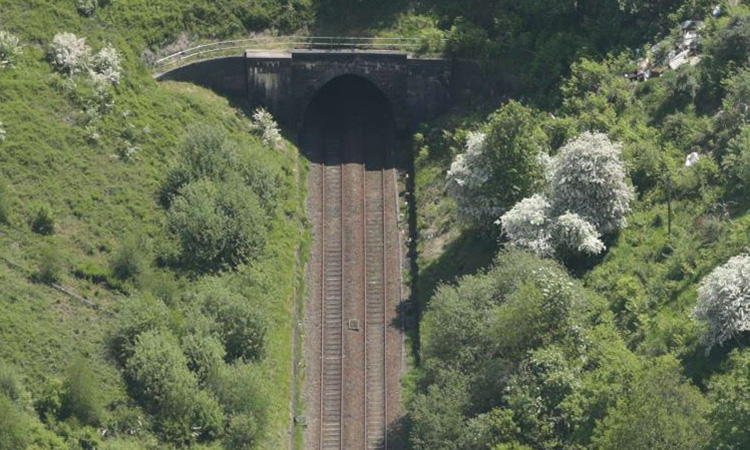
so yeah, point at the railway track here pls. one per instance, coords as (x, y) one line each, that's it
(357, 274)
(332, 283)
(375, 279)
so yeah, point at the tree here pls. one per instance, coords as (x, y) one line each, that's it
(589, 179)
(573, 234)
(724, 301)
(528, 225)
(730, 392)
(81, 394)
(736, 164)
(500, 165)
(662, 411)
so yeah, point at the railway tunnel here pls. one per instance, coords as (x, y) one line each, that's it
(353, 351)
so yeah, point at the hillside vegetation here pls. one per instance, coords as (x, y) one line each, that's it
(149, 236)
(583, 251)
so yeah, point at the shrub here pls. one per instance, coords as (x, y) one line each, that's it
(242, 433)
(242, 391)
(86, 7)
(217, 225)
(138, 315)
(107, 65)
(50, 266)
(70, 54)
(204, 351)
(730, 392)
(724, 301)
(14, 425)
(662, 410)
(2, 133)
(736, 165)
(131, 259)
(161, 381)
(43, 221)
(81, 394)
(589, 179)
(266, 127)
(528, 225)
(5, 208)
(10, 50)
(241, 327)
(12, 386)
(501, 164)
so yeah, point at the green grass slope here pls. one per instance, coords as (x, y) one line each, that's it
(100, 174)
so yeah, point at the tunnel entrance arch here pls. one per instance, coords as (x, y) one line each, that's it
(354, 111)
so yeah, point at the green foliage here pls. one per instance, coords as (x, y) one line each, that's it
(5, 204)
(139, 314)
(81, 396)
(14, 425)
(240, 326)
(736, 165)
(12, 387)
(162, 382)
(43, 221)
(131, 259)
(730, 392)
(217, 225)
(50, 265)
(662, 411)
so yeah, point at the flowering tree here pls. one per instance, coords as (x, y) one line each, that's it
(69, 53)
(264, 123)
(2, 133)
(724, 301)
(574, 234)
(528, 225)
(10, 49)
(500, 166)
(589, 179)
(107, 65)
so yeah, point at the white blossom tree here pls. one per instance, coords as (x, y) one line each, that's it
(264, 123)
(107, 65)
(500, 165)
(70, 54)
(574, 234)
(528, 225)
(2, 133)
(589, 179)
(724, 301)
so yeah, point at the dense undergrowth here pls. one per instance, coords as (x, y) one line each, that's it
(601, 352)
(148, 275)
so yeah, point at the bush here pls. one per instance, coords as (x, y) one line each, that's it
(241, 327)
(2, 133)
(43, 221)
(5, 208)
(130, 260)
(11, 386)
(204, 351)
(70, 54)
(242, 433)
(86, 7)
(10, 50)
(161, 381)
(50, 266)
(736, 165)
(218, 226)
(589, 179)
(724, 301)
(138, 315)
(661, 411)
(573, 234)
(242, 392)
(81, 396)
(730, 392)
(14, 425)
(501, 165)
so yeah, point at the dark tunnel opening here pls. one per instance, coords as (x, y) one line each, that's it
(349, 121)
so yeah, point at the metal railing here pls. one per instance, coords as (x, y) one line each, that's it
(287, 43)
